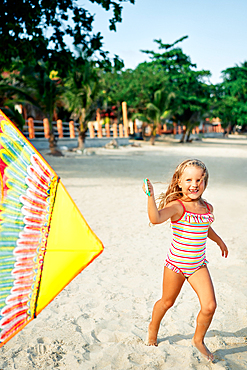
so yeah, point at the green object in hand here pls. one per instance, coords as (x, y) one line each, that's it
(146, 187)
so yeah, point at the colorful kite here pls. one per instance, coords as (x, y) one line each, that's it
(44, 240)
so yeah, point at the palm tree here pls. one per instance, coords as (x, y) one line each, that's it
(46, 89)
(156, 111)
(81, 90)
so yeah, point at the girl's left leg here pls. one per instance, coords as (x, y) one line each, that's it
(202, 284)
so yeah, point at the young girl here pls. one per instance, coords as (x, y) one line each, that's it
(191, 219)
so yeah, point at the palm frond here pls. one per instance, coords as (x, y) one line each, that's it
(152, 107)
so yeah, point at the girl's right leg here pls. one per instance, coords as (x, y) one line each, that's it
(172, 284)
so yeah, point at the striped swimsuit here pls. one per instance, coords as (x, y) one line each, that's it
(188, 248)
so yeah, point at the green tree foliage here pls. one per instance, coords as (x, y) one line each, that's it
(137, 87)
(12, 93)
(167, 86)
(231, 97)
(36, 30)
(32, 36)
(37, 85)
(191, 92)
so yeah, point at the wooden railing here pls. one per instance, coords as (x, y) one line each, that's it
(35, 129)
(40, 129)
(178, 129)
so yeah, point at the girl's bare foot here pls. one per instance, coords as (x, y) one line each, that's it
(203, 350)
(151, 337)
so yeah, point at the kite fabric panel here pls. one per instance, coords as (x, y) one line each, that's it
(44, 240)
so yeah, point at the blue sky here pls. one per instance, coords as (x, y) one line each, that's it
(217, 30)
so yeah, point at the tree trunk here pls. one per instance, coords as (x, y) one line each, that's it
(81, 140)
(153, 134)
(184, 133)
(143, 130)
(159, 129)
(228, 129)
(53, 140)
(152, 139)
(188, 140)
(82, 131)
(53, 146)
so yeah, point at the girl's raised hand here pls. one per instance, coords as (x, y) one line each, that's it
(150, 187)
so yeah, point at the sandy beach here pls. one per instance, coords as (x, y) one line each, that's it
(99, 322)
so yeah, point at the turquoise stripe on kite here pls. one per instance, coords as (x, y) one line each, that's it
(10, 229)
(14, 150)
(15, 175)
(13, 209)
(10, 218)
(16, 136)
(9, 234)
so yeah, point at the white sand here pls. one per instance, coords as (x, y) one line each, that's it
(100, 320)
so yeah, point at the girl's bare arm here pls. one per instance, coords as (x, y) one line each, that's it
(158, 216)
(217, 239)
(172, 210)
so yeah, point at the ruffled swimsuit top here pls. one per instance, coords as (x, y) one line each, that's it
(188, 248)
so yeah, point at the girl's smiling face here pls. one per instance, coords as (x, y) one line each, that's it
(192, 182)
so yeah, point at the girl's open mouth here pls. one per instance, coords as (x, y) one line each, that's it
(193, 191)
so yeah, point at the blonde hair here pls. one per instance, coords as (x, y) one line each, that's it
(174, 191)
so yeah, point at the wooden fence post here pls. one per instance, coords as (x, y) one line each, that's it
(71, 129)
(107, 128)
(115, 129)
(135, 127)
(91, 129)
(31, 131)
(121, 130)
(99, 123)
(125, 118)
(60, 128)
(46, 128)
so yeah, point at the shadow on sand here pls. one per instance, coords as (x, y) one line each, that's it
(231, 348)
